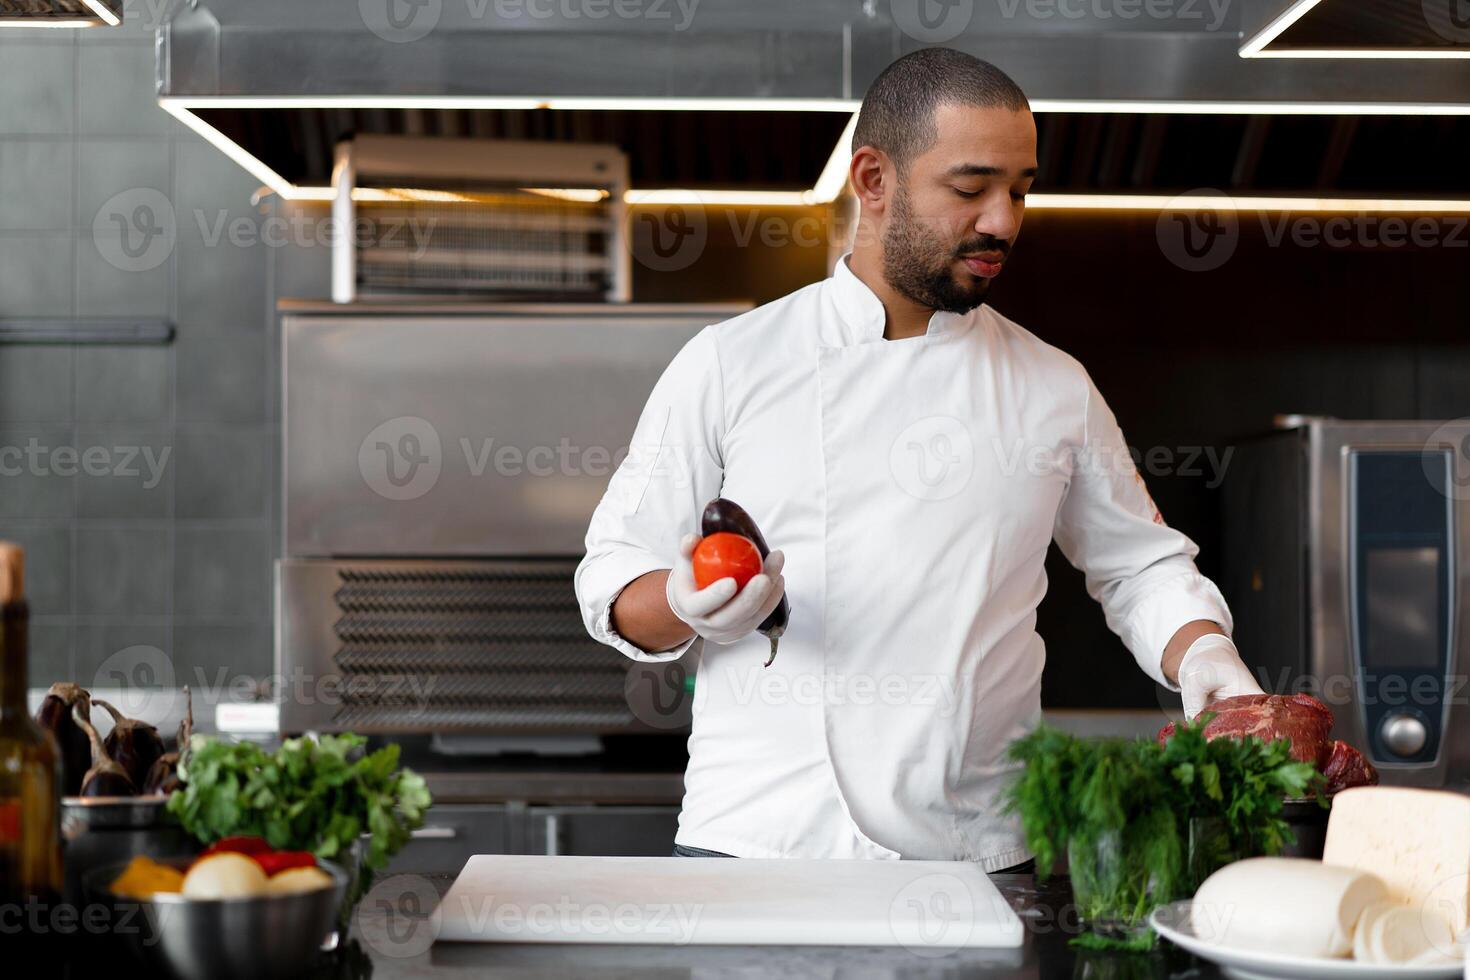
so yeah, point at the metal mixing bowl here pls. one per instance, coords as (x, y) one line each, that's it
(103, 830)
(273, 937)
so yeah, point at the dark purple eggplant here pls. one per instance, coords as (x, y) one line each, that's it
(54, 715)
(726, 515)
(106, 777)
(163, 775)
(135, 745)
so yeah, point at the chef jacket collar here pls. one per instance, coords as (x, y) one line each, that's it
(862, 315)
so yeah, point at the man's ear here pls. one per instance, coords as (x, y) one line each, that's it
(872, 175)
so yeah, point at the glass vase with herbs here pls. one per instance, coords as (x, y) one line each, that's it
(1141, 824)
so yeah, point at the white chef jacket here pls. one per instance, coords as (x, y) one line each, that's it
(914, 486)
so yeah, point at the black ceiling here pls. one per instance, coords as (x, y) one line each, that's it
(771, 150)
(1374, 24)
(1282, 154)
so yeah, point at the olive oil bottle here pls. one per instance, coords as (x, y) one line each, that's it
(30, 815)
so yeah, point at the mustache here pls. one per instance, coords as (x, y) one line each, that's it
(985, 243)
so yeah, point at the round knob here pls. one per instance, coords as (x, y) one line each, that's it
(1404, 734)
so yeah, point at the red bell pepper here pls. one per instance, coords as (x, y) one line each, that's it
(272, 862)
(238, 845)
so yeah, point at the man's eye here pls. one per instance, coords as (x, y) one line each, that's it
(1018, 195)
(964, 193)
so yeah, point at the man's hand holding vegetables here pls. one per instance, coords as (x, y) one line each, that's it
(914, 454)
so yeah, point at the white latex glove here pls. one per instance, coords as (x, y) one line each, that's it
(1212, 669)
(718, 613)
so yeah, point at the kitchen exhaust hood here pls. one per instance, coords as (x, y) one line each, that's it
(751, 100)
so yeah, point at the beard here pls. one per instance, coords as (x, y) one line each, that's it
(919, 265)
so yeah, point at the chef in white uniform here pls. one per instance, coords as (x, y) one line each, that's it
(910, 454)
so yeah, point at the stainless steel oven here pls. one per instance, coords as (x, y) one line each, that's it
(439, 467)
(1346, 562)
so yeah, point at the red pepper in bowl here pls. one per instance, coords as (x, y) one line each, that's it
(238, 845)
(272, 862)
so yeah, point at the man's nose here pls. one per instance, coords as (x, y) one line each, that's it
(997, 219)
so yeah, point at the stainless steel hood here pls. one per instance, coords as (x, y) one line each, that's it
(745, 49)
(754, 94)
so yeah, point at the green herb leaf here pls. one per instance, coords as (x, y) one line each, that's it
(1073, 793)
(310, 794)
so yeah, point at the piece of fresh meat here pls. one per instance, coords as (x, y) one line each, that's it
(1299, 717)
(1346, 767)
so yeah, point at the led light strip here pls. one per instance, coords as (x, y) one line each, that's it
(1253, 44)
(1365, 53)
(1256, 45)
(1243, 202)
(1034, 201)
(104, 17)
(833, 179)
(1257, 108)
(45, 22)
(103, 12)
(508, 102)
(252, 164)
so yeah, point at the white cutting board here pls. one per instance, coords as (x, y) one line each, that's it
(719, 901)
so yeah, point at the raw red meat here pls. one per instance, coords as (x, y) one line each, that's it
(1299, 717)
(1346, 767)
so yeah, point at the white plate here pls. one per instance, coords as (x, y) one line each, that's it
(1173, 922)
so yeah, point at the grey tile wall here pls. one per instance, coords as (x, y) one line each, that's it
(139, 479)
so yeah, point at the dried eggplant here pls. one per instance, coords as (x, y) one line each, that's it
(163, 775)
(135, 745)
(55, 715)
(106, 777)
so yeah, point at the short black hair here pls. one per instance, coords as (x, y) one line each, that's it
(897, 115)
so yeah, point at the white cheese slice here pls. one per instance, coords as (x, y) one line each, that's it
(1416, 840)
(1388, 932)
(1364, 928)
(1287, 905)
(1401, 935)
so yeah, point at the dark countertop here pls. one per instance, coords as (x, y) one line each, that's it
(397, 948)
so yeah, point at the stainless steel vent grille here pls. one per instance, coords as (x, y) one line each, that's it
(486, 646)
(518, 245)
(498, 647)
(479, 219)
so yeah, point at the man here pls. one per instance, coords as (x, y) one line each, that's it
(911, 453)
